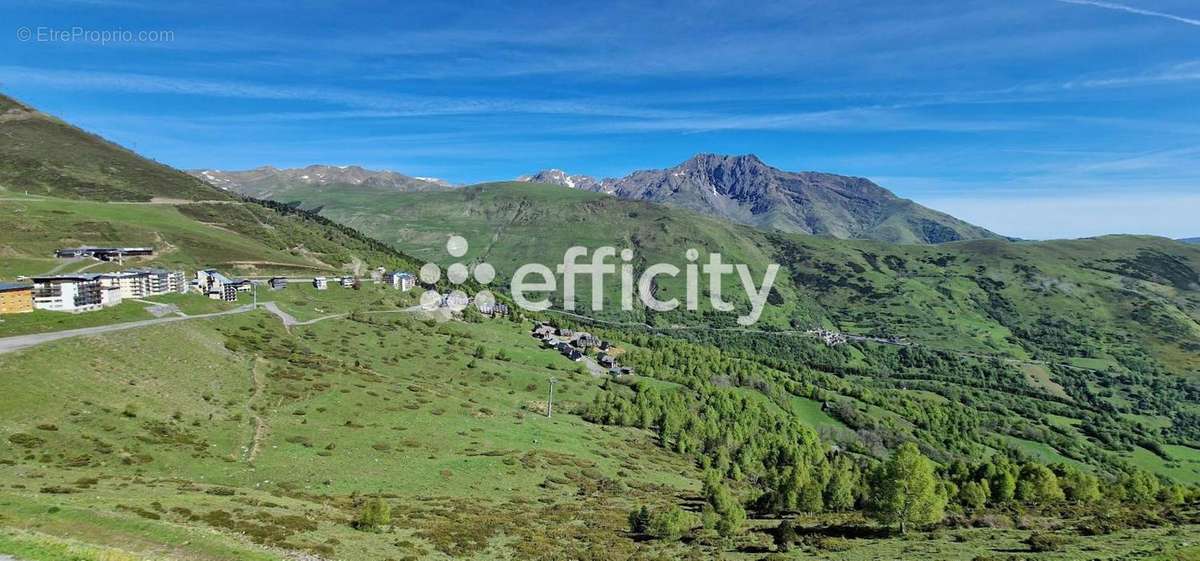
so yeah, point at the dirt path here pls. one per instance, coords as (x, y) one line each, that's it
(260, 424)
(289, 321)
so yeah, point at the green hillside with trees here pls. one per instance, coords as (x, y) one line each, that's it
(1041, 402)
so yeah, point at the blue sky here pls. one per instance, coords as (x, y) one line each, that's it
(1036, 118)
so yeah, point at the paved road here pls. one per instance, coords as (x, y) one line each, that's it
(9, 344)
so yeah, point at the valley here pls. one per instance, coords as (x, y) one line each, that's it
(1033, 399)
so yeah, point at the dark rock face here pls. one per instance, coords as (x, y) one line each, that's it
(744, 189)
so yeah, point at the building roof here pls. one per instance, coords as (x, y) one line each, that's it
(11, 286)
(75, 278)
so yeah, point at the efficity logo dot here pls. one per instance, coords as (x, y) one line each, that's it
(457, 273)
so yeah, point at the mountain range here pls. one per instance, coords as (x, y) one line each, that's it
(269, 182)
(745, 190)
(241, 437)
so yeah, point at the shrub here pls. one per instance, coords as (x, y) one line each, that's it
(832, 543)
(375, 514)
(26, 440)
(670, 524)
(639, 520)
(1039, 542)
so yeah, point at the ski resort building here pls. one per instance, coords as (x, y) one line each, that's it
(68, 293)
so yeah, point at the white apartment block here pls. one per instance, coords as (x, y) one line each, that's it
(69, 293)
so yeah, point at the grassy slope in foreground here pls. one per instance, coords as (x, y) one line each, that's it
(153, 450)
(129, 447)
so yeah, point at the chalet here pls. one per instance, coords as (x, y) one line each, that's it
(320, 283)
(67, 293)
(564, 332)
(347, 282)
(585, 340)
(607, 361)
(627, 371)
(15, 298)
(543, 331)
(604, 345)
(103, 253)
(277, 283)
(573, 354)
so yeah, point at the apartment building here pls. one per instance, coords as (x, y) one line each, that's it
(217, 286)
(68, 293)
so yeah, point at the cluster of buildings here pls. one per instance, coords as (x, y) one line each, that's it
(87, 292)
(217, 286)
(830, 338)
(575, 344)
(103, 253)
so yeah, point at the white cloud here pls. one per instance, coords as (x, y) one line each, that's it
(1132, 10)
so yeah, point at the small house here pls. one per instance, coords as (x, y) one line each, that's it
(347, 282)
(320, 283)
(585, 340)
(607, 361)
(277, 283)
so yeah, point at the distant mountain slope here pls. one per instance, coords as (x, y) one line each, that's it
(1109, 300)
(42, 155)
(268, 182)
(743, 189)
(85, 190)
(1190, 240)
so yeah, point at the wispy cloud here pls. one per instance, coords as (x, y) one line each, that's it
(1132, 10)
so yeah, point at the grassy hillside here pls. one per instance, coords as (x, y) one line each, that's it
(1118, 302)
(61, 186)
(273, 434)
(42, 155)
(235, 438)
(243, 238)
